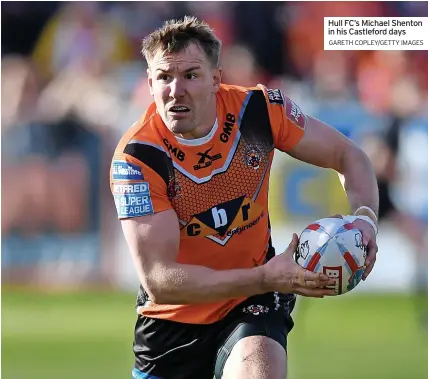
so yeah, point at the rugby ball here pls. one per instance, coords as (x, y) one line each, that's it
(334, 247)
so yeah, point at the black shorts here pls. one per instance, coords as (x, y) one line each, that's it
(170, 350)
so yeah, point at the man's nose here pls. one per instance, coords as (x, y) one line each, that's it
(176, 89)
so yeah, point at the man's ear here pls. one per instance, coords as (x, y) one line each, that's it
(217, 73)
(150, 81)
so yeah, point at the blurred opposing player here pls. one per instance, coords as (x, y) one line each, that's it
(190, 184)
(401, 167)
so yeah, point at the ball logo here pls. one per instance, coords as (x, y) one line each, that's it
(334, 273)
(359, 242)
(303, 250)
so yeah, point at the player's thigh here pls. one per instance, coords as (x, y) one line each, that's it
(256, 357)
(255, 339)
(168, 350)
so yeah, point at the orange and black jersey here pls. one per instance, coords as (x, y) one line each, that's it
(217, 185)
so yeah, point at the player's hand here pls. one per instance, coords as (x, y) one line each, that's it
(284, 275)
(369, 240)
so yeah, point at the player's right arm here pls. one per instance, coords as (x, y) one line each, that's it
(154, 240)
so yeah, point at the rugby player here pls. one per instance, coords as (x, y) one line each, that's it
(190, 184)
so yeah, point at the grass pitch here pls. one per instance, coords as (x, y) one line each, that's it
(89, 335)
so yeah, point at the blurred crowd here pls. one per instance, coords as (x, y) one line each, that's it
(73, 81)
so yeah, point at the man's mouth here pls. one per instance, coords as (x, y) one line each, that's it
(179, 109)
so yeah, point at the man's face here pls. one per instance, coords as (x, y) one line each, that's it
(183, 86)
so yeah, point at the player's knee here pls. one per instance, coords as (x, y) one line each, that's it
(256, 357)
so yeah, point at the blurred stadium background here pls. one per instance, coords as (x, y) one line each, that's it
(73, 81)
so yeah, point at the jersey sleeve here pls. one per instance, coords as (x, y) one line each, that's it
(287, 120)
(137, 189)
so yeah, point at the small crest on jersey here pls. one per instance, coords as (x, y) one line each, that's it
(122, 170)
(275, 96)
(173, 189)
(294, 113)
(255, 309)
(253, 157)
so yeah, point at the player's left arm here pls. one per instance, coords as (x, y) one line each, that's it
(312, 141)
(324, 146)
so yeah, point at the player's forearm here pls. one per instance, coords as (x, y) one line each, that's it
(359, 180)
(189, 284)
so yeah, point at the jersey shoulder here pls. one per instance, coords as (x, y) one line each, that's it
(233, 93)
(147, 129)
(229, 91)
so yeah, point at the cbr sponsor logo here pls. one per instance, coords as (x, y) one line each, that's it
(225, 220)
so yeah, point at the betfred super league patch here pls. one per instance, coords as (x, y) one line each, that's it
(132, 200)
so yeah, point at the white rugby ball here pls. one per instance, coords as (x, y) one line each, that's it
(334, 247)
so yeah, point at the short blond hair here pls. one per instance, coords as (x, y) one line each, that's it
(175, 35)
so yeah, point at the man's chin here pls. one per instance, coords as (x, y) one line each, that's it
(180, 127)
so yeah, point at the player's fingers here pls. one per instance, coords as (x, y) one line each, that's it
(366, 237)
(371, 252)
(318, 283)
(315, 276)
(311, 284)
(369, 269)
(309, 279)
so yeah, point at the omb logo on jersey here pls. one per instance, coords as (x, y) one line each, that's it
(224, 220)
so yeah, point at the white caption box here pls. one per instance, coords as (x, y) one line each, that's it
(375, 33)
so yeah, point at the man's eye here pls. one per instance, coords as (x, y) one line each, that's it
(163, 77)
(191, 75)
